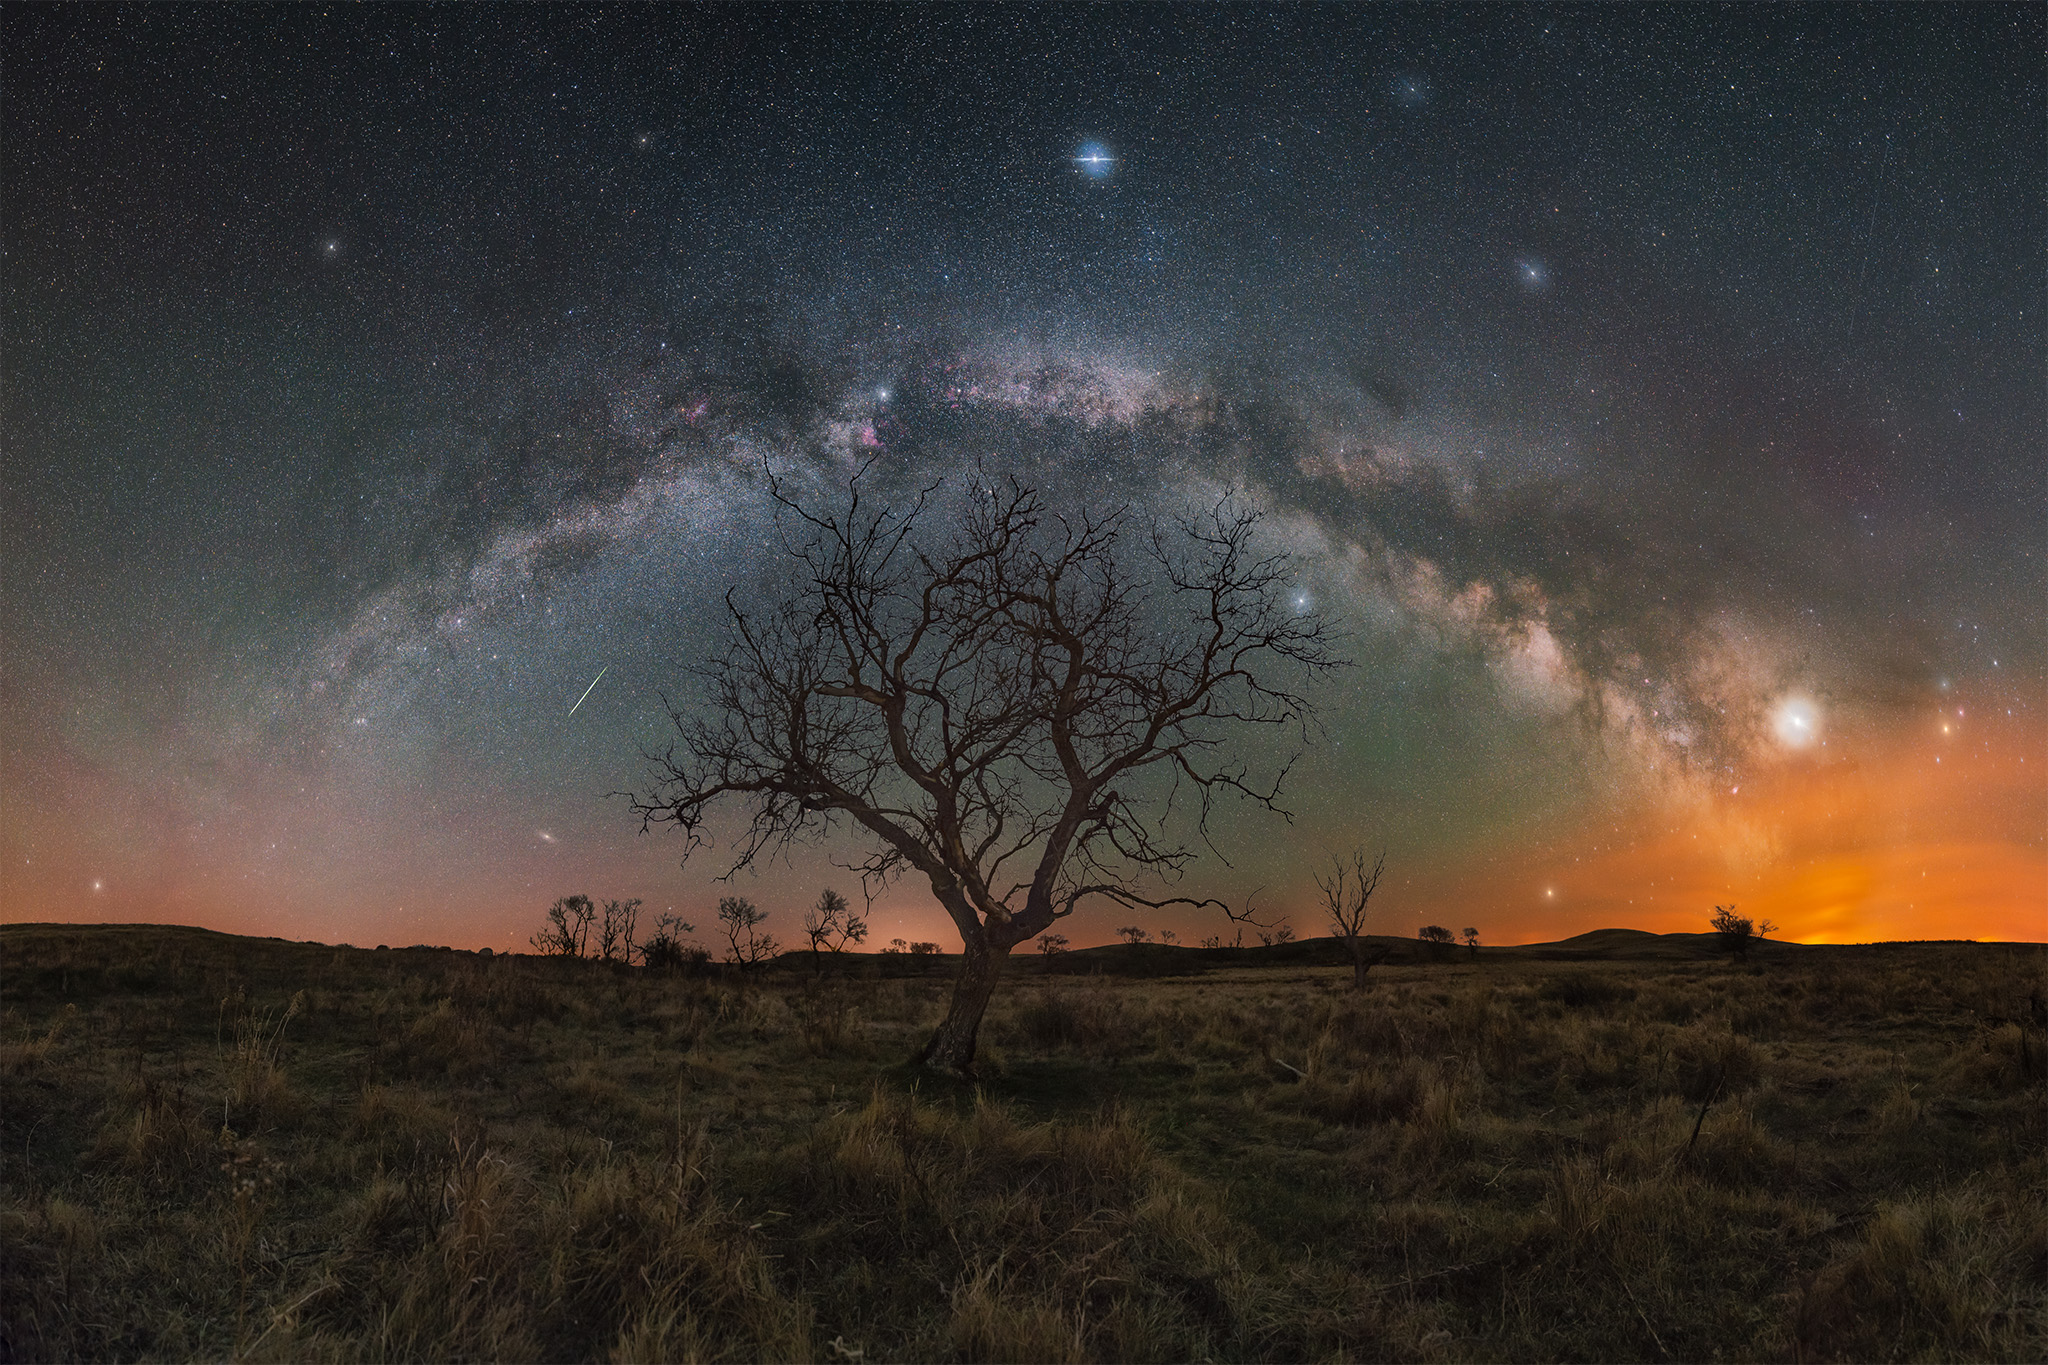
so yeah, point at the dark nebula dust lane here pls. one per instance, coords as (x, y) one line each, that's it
(1654, 395)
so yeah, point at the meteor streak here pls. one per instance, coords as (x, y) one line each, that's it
(592, 688)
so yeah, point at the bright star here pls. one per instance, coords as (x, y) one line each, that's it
(1533, 274)
(1094, 160)
(1796, 722)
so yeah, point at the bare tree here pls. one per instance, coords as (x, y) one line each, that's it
(832, 924)
(1347, 895)
(1739, 933)
(1439, 939)
(1010, 712)
(746, 946)
(616, 929)
(567, 932)
(1049, 944)
(1134, 934)
(1472, 941)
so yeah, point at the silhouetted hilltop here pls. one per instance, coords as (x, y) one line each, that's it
(135, 945)
(1639, 945)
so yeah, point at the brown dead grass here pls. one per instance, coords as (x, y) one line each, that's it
(243, 1148)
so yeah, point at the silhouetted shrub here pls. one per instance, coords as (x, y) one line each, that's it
(1738, 932)
(664, 953)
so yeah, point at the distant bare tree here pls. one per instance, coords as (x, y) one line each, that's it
(1347, 895)
(567, 932)
(832, 924)
(1134, 935)
(1739, 933)
(1439, 939)
(1282, 933)
(616, 929)
(1168, 937)
(1006, 712)
(747, 945)
(1472, 941)
(1050, 944)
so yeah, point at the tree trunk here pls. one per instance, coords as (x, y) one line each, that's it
(951, 1049)
(1363, 960)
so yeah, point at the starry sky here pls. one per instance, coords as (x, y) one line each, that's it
(1654, 396)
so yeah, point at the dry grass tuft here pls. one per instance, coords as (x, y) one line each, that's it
(1960, 1274)
(251, 1044)
(21, 1056)
(1045, 1241)
(159, 1136)
(1412, 1090)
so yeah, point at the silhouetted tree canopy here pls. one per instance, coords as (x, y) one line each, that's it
(1007, 711)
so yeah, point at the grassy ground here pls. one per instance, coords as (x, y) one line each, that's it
(218, 1147)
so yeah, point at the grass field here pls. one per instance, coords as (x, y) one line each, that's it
(236, 1148)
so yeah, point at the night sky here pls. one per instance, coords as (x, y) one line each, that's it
(1655, 396)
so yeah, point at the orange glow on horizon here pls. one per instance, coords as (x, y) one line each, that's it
(1911, 833)
(1938, 834)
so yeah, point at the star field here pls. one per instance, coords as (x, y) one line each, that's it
(1653, 394)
